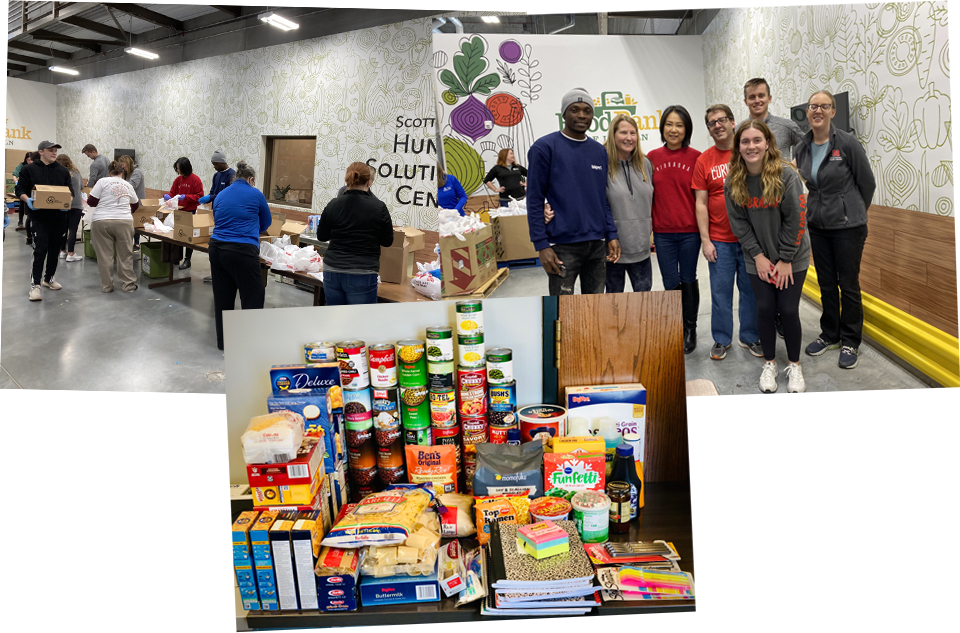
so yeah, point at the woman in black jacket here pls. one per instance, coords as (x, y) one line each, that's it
(356, 224)
(841, 185)
(508, 175)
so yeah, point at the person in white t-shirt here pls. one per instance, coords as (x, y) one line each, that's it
(113, 201)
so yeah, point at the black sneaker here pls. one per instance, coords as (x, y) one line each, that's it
(718, 351)
(779, 323)
(820, 346)
(29, 241)
(185, 265)
(849, 357)
(754, 348)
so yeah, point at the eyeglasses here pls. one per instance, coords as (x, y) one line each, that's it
(722, 120)
(813, 107)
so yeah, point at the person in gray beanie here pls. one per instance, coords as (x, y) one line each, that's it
(576, 236)
(222, 179)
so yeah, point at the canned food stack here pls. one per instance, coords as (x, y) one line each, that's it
(386, 413)
(445, 427)
(471, 383)
(414, 406)
(358, 417)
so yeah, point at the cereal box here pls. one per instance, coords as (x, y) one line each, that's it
(626, 403)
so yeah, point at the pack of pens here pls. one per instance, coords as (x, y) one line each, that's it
(635, 580)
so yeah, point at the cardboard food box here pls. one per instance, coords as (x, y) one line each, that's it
(263, 560)
(294, 230)
(626, 403)
(400, 589)
(283, 565)
(513, 238)
(467, 265)
(306, 535)
(243, 560)
(481, 205)
(192, 228)
(302, 380)
(51, 197)
(149, 207)
(397, 262)
(301, 470)
(276, 225)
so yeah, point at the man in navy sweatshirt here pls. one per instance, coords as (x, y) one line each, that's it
(222, 179)
(569, 169)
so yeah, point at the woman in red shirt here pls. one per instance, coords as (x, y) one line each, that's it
(674, 215)
(189, 189)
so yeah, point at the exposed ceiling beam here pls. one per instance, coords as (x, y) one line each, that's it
(96, 27)
(40, 50)
(653, 15)
(16, 67)
(146, 14)
(25, 59)
(51, 17)
(234, 11)
(90, 45)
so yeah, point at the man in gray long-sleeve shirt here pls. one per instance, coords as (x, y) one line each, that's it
(99, 167)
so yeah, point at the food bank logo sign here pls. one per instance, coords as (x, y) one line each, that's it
(18, 134)
(607, 107)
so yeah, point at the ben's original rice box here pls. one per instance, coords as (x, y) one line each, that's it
(626, 403)
(570, 471)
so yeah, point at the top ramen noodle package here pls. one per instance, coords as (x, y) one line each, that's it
(505, 509)
(382, 518)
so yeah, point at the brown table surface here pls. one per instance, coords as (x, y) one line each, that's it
(666, 516)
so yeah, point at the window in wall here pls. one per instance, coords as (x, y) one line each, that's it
(289, 172)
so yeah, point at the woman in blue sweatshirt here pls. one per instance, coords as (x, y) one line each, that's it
(450, 193)
(240, 215)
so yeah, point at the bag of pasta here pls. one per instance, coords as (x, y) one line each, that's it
(382, 518)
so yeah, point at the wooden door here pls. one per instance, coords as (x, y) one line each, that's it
(632, 337)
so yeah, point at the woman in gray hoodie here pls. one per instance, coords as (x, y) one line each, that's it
(630, 194)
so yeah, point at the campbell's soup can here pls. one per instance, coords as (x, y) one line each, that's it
(354, 371)
(499, 366)
(320, 352)
(383, 365)
(412, 361)
(450, 436)
(414, 407)
(440, 344)
(443, 408)
(440, 376)
(471, 391)
(357, 406)
(470, 317)
(470, 350)
(542, 421)
(474, 430)
(418, 437)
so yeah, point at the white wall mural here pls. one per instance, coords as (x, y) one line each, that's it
(893, 59)
(366, 95)
(505, 91)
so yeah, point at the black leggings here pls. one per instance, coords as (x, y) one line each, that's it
(73, 223)
(786, 303)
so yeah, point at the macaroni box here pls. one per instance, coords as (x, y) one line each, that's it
(312, 379)
(263, 560)
(283, 560)
(243, 560)
(320, 498)
(337, 571)
(319, 419)
(625, 403)
(305, 538)
(570, 471)
(400, 589)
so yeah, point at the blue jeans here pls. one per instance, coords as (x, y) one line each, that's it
(641, 276)
(677, 255)
(343, 289)
(730, 266)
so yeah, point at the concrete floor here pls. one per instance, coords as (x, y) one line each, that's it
(739, 372)
(79, 338)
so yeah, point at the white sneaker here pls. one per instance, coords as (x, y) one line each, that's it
(63, 255)
(74, 258)
(35, 293)
(768, 378)
(795, 382)
(52, 284)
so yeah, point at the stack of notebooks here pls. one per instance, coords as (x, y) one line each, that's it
(519, 585)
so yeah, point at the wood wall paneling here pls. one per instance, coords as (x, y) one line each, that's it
(633, 337)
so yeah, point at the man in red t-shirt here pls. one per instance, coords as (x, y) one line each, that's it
(720, 246)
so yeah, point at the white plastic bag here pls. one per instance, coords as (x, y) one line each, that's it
(427, 285)
(159, 226)
(168, 221)
(274, 438)
(269, 252)
(452, 223)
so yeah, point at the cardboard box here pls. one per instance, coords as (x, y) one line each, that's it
(512, 233)
(289, 494)
(397, 262)
(293, 229)
(300, 471)
(626, 403)
(263, 560)
(339, 492)
(467, 265)
(276, 225)
(481, 205)
(280, 546)
(306, 535)
(243, 560)
(318, 419)
(149, 207)
(400, 589)
(51, 197)
(192, 228)
(574, 472)
(302, 380)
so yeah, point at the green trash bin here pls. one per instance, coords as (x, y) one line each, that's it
(88, 245)
(150, 264)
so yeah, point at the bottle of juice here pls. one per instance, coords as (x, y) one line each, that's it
(624, 469)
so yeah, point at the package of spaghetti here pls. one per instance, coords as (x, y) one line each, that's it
(382, 518)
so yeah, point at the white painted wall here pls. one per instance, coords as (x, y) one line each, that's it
(31, 114)
(255, 340)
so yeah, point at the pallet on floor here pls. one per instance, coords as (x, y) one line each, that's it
(520, 263)
(484, 291)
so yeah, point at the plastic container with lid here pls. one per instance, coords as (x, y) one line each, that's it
(591, 514)
(549, 509)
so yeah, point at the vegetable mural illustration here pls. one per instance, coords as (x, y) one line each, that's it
(470, 117)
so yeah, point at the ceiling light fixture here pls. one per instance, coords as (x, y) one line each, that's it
(61, 69)
(491, 19)
(280, 22)
(141, 53)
